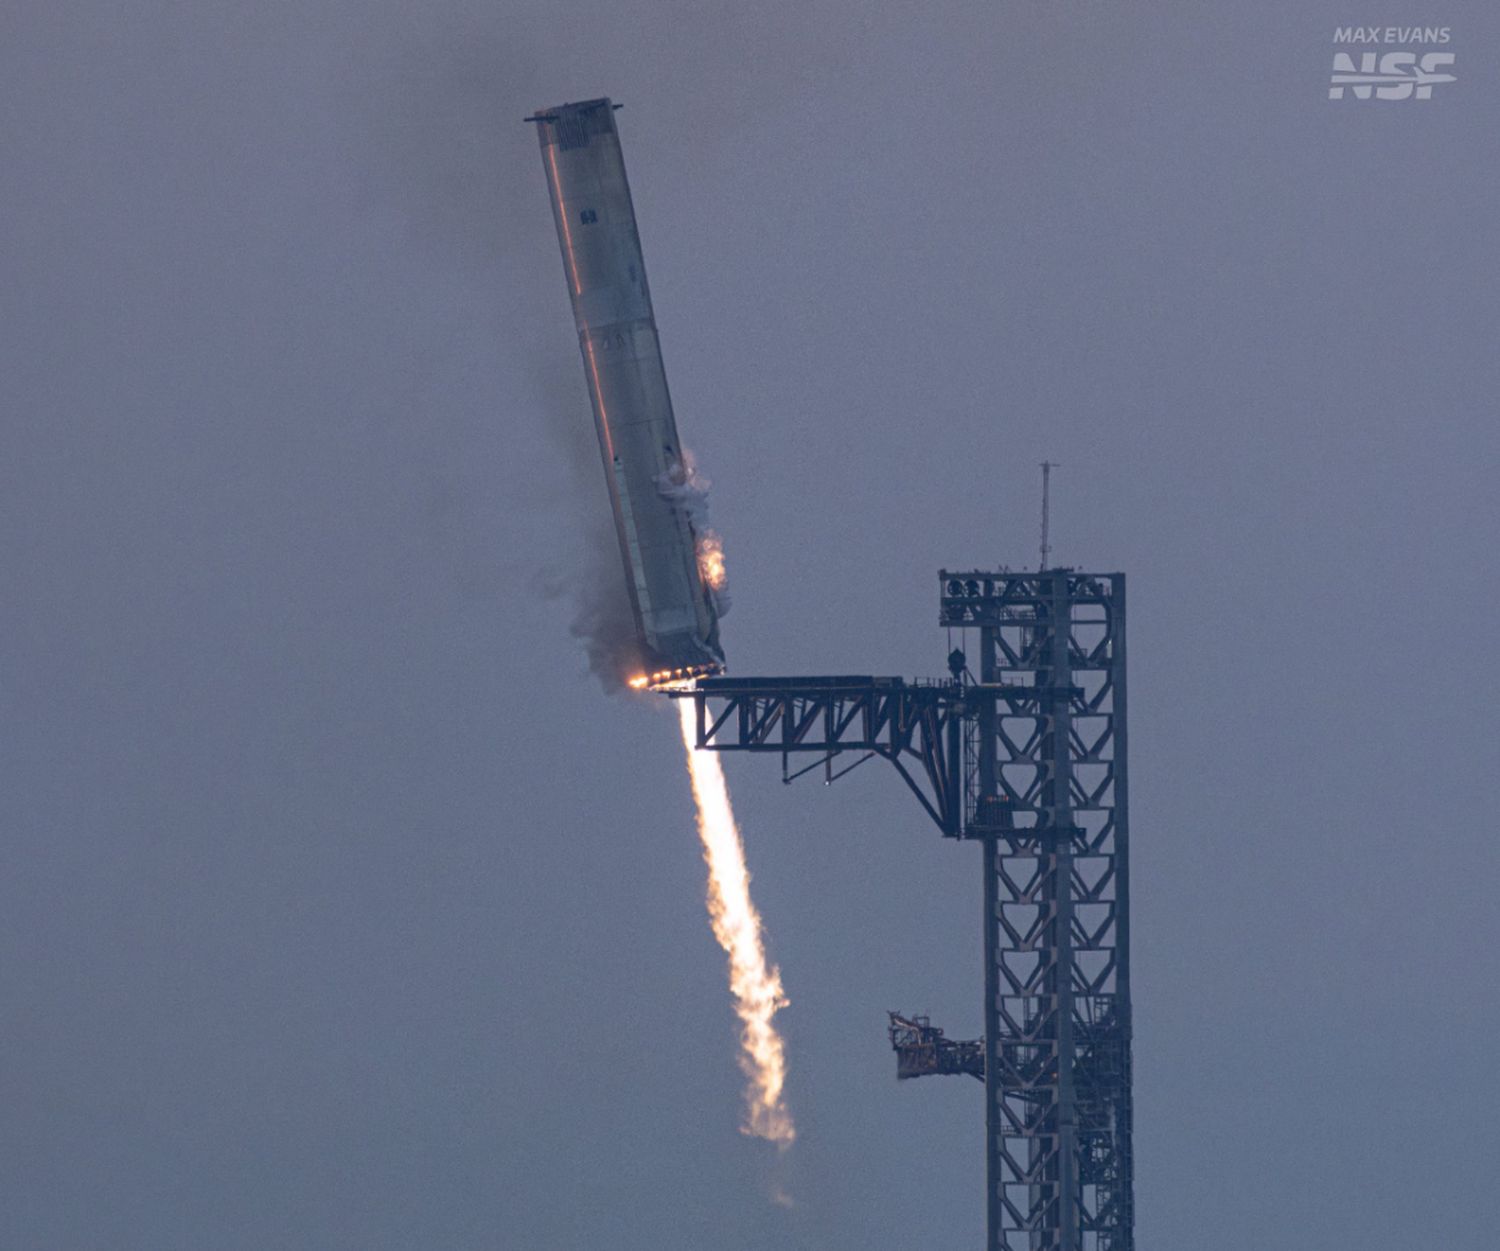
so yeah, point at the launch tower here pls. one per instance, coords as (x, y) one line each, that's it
(1026, 758)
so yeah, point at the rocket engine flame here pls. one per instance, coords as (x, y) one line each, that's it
(756, 987)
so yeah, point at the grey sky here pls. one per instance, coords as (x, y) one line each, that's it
(339, 909)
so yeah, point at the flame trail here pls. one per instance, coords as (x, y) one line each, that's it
(736, 924)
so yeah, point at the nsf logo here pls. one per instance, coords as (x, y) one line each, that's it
(1401, 73)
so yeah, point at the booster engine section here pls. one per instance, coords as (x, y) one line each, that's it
(651, 484)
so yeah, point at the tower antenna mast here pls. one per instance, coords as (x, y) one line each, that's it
(1047, 467)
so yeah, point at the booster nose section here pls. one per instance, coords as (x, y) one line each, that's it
(676, 615)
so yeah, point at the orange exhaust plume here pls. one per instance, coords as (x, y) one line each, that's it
(756, 987)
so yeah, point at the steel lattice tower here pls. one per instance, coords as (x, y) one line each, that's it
(1029, 761)
(1047, 801)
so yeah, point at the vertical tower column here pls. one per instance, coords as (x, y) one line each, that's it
(985, 777)
(1047, 802)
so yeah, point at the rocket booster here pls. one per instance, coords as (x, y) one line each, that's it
(649, 478)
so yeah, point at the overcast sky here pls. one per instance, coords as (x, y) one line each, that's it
(340, 909)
